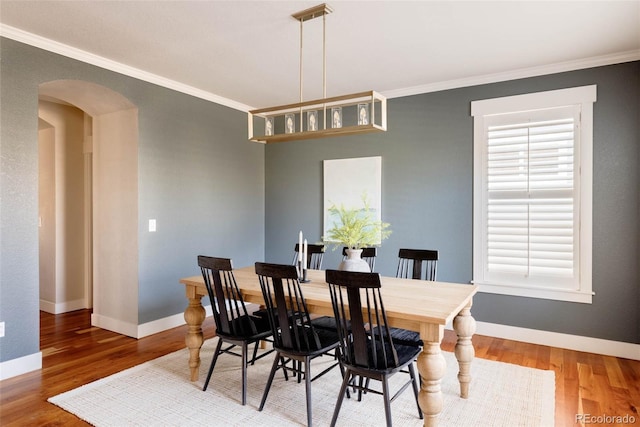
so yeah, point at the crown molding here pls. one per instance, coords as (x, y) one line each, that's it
(108, 64)
(561, 67)
(90, 58)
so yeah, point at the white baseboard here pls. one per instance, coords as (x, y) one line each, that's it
(161, 325)
(63, 307)
(145, 329)
(21, 365)
(114, 325)
(559, 340)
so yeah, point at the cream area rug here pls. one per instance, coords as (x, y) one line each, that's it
(159, 393)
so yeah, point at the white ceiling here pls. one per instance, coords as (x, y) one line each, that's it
(246, 53)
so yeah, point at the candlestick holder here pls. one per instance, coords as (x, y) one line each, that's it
(302, 272)
(304, 276)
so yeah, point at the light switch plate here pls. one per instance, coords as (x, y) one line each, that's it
(152, 225)
(1, 329)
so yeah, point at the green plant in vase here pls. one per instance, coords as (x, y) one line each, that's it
(355, 228)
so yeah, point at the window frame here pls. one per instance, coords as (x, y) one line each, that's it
(483, 111)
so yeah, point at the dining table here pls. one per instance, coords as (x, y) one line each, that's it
(417, 305)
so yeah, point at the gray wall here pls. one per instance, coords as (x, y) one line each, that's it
(198, 176)
(212, 192)
(427, 178)
(203, 182)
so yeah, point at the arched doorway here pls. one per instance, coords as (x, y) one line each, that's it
(110, 149)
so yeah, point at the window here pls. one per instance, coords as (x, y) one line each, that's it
(532, 194)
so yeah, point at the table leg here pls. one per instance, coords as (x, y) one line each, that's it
(432, 367)
(465, 326)
(194, 315)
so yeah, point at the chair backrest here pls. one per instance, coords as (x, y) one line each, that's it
(368, 254)
(362, 324)
(315, 254)
(286, 308)
(229, 311)
(417, 264)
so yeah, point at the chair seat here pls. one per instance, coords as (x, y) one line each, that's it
(248, 328)
(317, 341)
(406, 354)
(327, 338)
(326, 323)
(400, 336)
(262, 313)
(406, 337)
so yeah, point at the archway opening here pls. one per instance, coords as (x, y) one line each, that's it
(104, 195)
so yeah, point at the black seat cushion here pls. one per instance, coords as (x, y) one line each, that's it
(326, 323)
(327, 338)
(261, 323)
(263, 313)
(406, 337)
(384, 359)
(247, 326)
(406, 353)
(313, 340)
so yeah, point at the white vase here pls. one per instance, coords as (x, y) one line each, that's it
(354, 262)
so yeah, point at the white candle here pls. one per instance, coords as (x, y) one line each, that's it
(300, 246)
(304, 257)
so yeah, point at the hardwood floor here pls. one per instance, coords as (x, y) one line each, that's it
(75, 354)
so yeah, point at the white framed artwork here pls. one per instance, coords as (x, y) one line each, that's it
(345, 183)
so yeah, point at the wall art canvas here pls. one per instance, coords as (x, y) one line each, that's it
(347, 180)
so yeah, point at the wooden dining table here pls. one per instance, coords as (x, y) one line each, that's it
(417, 305)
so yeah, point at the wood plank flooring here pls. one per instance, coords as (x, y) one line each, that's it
(74, 354)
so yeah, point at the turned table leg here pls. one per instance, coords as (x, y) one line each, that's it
(465, 326)
(432, 367)
(194, 315)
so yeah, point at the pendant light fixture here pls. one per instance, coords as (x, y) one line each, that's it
(355, 113)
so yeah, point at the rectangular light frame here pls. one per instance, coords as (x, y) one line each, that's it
(377, 118)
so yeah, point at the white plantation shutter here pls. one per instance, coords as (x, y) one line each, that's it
(530, 196)
(528, 200)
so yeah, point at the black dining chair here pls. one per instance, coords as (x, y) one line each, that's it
(368, 254)
(295, 338)
(315, 255)
(234, 326)
(420, 264)
(368, 351)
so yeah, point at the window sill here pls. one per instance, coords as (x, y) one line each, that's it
(542, 293)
